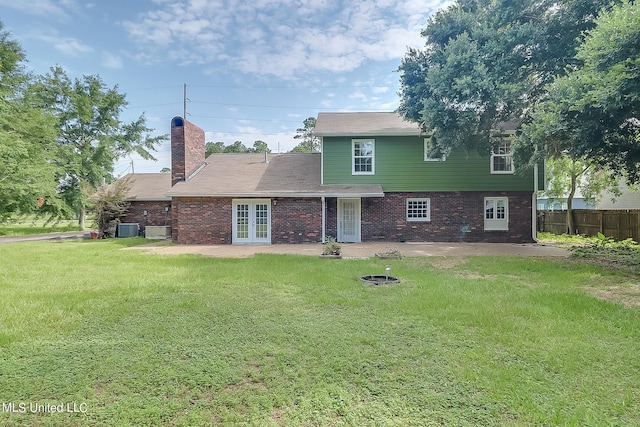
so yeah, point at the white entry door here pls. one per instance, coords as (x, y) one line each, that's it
(348, 220)
(252, 221)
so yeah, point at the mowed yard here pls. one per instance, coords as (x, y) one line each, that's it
(116, 337)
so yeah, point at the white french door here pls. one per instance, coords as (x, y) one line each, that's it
(252, 221)
(348, 220)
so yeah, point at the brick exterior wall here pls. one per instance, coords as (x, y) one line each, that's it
(209, 221)
(299, 220)
(202, 220)
(187, 149)
(452, 213)
(156, 215)
(296, 220)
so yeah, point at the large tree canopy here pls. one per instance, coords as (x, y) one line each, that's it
(91, 135)
(27, 136)
(487, 62)
(594, 111)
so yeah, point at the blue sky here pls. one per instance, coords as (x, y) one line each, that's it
(254, 69)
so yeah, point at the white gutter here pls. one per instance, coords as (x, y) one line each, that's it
(324, 217)
(322, 164)
(284, 194)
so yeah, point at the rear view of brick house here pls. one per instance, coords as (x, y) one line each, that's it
(376, 179)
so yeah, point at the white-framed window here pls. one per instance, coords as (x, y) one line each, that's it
(419, 210)
(496, 213)
(502, 157)
(363, 156)
(429, 149)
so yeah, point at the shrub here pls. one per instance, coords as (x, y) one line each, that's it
(109, 205)
(331, 247)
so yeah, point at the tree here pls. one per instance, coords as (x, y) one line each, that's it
(91, 135)
(27, 137)
(487, 62)
(236, 147)
(594, 111)
(310, 143)
(165, 170)
(213, 147)
(566, 175)
(260, 147)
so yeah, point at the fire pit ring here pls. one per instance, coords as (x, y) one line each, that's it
(380, 279)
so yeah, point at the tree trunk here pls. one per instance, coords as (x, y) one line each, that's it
(82, 214)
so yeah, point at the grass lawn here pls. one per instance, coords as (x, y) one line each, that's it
(23, 227)
(144, 340)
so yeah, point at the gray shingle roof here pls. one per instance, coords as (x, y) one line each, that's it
(148, 186)
(247, 175)
(364, 124)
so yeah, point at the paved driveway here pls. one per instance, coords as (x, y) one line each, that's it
(363, 250)
(49, 236)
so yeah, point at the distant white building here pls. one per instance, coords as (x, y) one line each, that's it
(629, 199)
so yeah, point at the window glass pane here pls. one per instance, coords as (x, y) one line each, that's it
(488, 209)
(502, 158)
(500, 209)
(242, 221)
(367, 148)
(418, 210)
(363, 156)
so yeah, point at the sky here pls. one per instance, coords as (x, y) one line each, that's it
(254, 70)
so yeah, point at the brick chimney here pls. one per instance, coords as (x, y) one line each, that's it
(187, 149)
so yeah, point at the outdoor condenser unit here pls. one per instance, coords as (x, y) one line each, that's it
(128, 230)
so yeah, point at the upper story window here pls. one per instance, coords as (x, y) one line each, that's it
(430, 152)
(363, 156)
(502, 157)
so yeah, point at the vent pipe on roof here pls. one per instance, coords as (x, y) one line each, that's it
(266, 158)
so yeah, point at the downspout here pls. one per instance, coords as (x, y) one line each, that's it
(322, 162)
(324, 205)
(534, 205)
(324, 201)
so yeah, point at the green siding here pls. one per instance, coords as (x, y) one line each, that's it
(400, 166)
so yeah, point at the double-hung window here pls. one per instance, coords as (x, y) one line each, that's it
(419, 210)
(363, 156)
(502, 157)
(496, 213)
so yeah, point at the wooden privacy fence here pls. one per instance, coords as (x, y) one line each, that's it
(619, 224)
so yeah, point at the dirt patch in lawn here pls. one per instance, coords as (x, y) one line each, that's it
(627, 294)
(448, 263)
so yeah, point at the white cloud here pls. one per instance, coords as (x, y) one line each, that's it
(67, 45)
(380, 89)
(111, 60)
(284, 38)
(48, 8)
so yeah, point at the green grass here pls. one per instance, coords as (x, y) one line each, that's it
(23, 227)
(147, 340)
